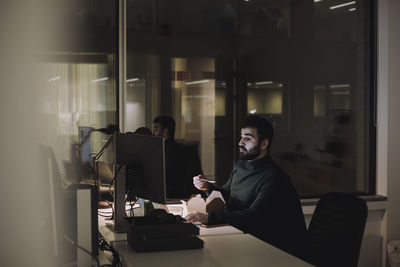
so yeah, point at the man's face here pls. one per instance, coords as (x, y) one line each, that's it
(157, 129)
(250, 146)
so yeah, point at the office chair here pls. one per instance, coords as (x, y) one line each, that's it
(336, 230)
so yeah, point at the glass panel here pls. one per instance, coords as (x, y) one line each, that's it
(265, 17)
(265, 98)
(319, 101)
(269, 99)
(194, 97)
(142, 90)
(337, 20)
(81, 84)
(304, 65)
(322, 116)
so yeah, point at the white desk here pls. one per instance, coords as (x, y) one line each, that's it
(107, 231)
(223, 246)
(219, 250)
(218, 230)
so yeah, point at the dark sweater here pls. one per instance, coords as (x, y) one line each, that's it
(261, 200)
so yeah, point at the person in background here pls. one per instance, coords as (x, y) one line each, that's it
(143, 131)
(181, 163)
(260, 198)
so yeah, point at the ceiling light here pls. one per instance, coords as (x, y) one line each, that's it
(345, 85)
(352, 9)
(340, 93)
(100, 80)
(197, 82)
(265, 82)
(316, 1)
(342, 5)
(55, 79)
(132, 80)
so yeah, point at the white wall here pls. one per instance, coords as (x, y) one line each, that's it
(393, 120)
(383, 222)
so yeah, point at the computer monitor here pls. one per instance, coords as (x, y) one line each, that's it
(84, 141)
(144, 162)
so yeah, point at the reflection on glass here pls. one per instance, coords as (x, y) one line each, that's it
(264, 101)
(339, 96)
(271, 18)
(228, 58)
(81, 84)
(194, 106)
(80, 94)
(330, 155)
(337, 20)
(220, 98)
(268, 99)
(212, 16)
(142, 90)
(319, 101)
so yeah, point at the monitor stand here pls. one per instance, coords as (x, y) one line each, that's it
(120, 224)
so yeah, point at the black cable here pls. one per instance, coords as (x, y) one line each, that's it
(105, 247)
(131, 212)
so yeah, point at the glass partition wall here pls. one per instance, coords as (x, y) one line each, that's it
(79, 73)
(307, 66)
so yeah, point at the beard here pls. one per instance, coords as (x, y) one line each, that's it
(250, 154)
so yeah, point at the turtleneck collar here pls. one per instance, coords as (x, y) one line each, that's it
(254, 164)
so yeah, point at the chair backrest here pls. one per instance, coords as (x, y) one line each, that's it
(336, 230)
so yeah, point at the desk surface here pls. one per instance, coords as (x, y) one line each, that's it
(223, 246)
(107, 231)
(219, 250)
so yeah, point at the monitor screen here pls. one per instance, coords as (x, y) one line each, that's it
(84, 140)
(144, 160)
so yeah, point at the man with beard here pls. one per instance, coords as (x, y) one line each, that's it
(260, 199)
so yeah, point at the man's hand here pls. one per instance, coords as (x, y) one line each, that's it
(200, 182)
(197, 217)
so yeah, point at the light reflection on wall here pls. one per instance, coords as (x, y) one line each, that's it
(77, 94)
(220, 96)
(265, 98)
(319, 100)
(194, 100)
